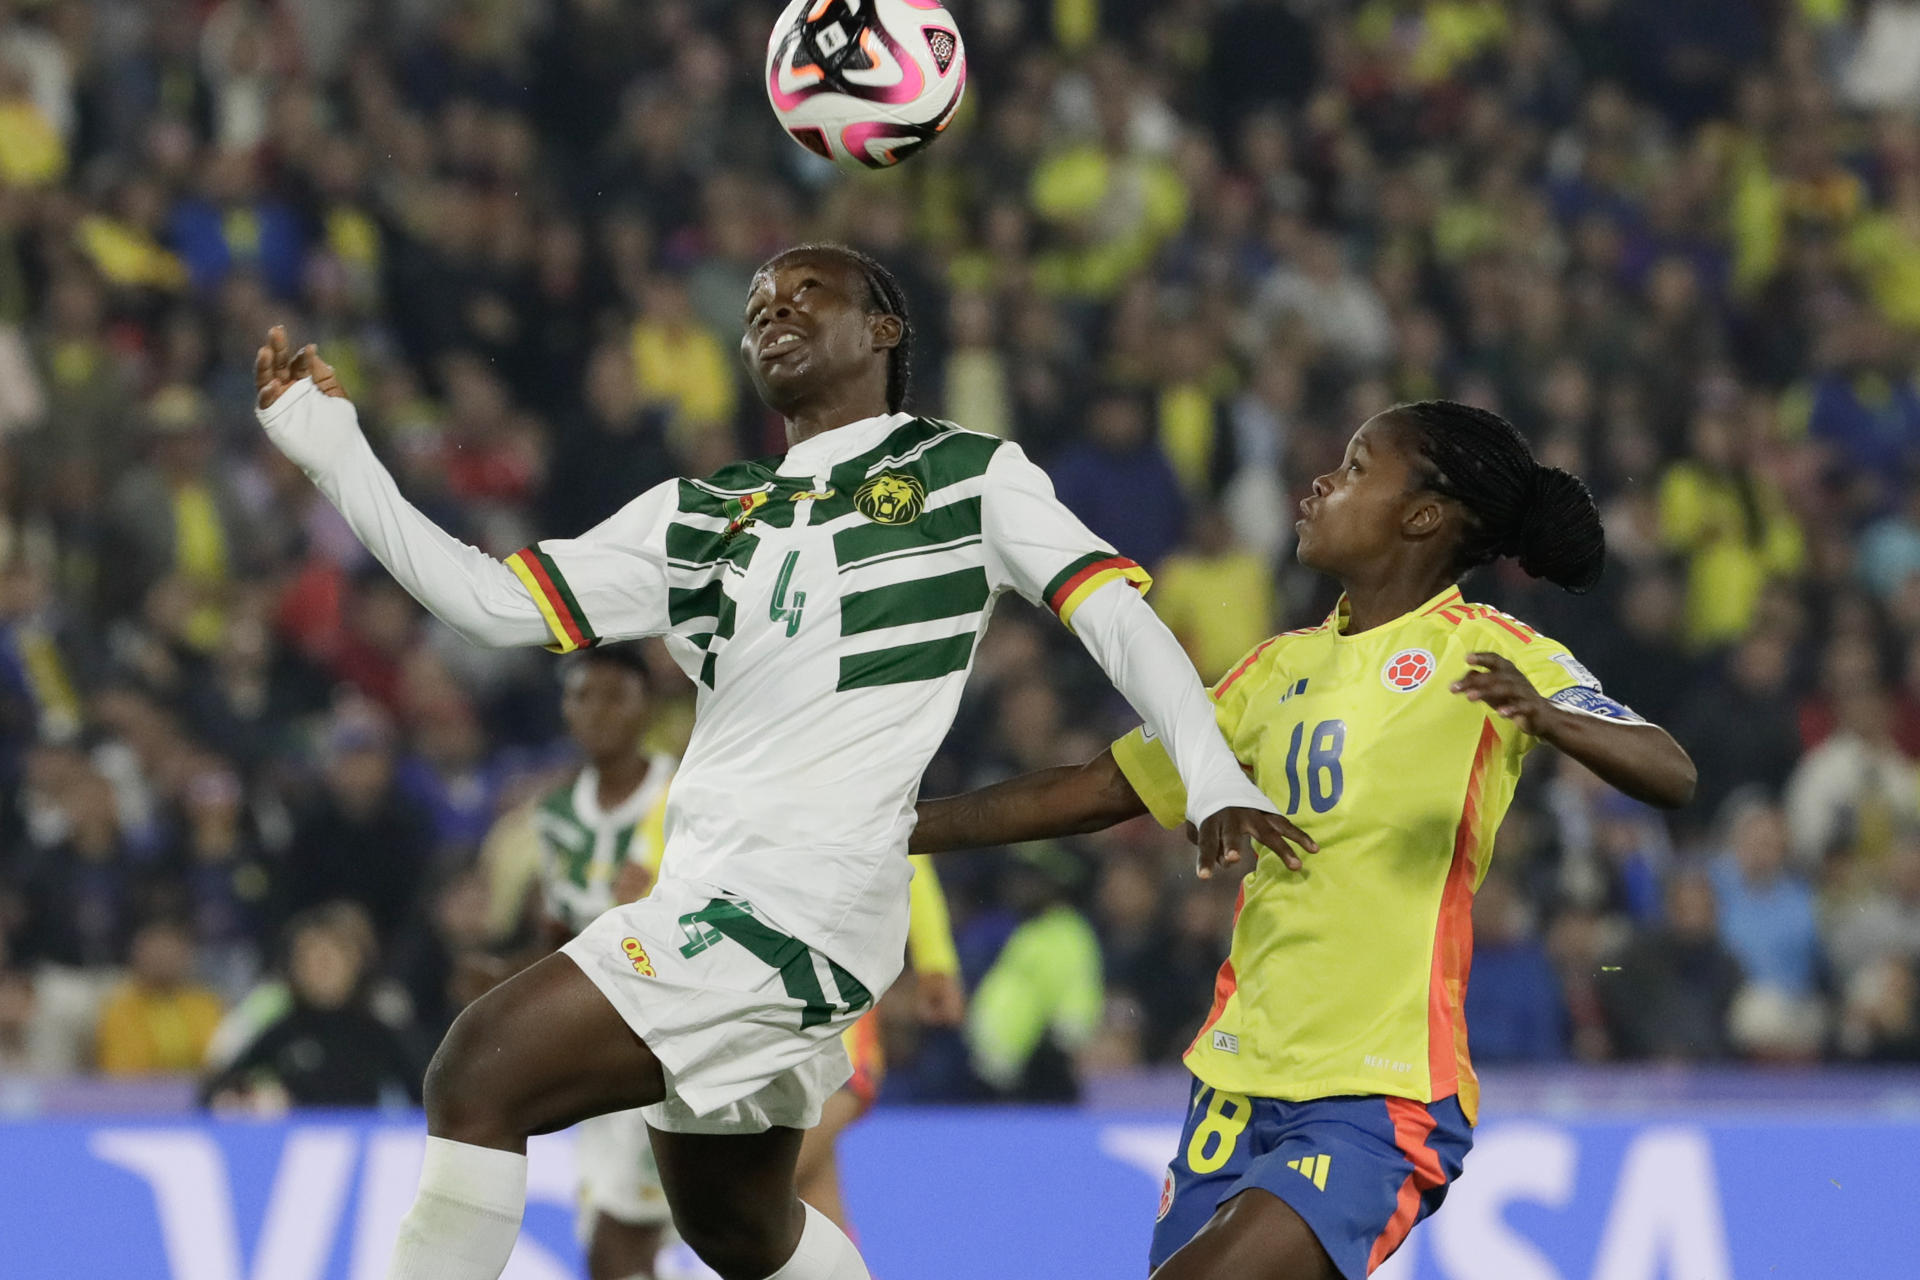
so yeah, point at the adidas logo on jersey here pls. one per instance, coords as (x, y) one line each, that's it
(1313, 1169)
(1226, 1042)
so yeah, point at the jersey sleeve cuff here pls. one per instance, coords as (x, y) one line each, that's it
(1153, 777)
(1070, 587)
(548, 587)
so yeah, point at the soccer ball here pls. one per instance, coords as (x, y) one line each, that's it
(865, 83)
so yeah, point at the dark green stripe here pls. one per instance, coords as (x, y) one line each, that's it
(947, 595)
(943, 524)
(695, 546)
(856, 996)
(954, 459)
(684, 604)
(1061, 578)
(790, 956)
(566, 594)
(905, 663)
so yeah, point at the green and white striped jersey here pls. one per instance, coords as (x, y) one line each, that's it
(827, 605)
(583, 847)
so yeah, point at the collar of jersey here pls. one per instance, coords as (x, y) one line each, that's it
(817, 453)
(1337, 619)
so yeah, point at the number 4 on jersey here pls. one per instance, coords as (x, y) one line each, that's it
(782, 608)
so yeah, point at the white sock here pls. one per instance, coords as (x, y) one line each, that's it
(824, 1253)
(466, 1215)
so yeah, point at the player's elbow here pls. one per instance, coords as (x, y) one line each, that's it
(1677, 780)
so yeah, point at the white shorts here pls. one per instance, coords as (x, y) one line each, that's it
(745, 1019)
(618, 1177)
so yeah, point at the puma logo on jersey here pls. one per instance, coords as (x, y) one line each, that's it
(804, 495)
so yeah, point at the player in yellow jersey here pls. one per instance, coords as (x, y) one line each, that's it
(942, 1003)
(1333, 1099)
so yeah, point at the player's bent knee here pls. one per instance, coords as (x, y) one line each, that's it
(741, 1245)
(466, 1093)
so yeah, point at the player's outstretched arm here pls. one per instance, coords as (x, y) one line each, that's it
(308, 417)
(1631, 756)
(1068, 801)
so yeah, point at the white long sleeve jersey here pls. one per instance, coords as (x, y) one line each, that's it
(827, 605)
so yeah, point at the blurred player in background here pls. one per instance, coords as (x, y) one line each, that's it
(602, 837)
(827, 605)
(1333, 1100)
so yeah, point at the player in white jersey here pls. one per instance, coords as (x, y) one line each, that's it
(602, 836)
(827, 604)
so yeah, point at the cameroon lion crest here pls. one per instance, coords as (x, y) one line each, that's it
(891, 498)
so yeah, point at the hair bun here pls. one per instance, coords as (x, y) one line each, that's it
(1558, 535)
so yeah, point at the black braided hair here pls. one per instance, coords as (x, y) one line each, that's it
(1542, 516)
(883, 291)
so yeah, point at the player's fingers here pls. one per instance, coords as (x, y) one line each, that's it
(277, 344)
(323, 374)
(1491, 661)
(1213, 853)
(262, 368)
(1275, 831)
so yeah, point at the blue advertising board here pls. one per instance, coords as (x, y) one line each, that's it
(958, 1195)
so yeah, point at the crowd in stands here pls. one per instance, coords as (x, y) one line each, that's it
(260, 815)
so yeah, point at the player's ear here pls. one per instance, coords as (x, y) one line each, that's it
(1425, 516)
(887, 332)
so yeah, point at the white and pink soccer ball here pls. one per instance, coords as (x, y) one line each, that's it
(865, 83)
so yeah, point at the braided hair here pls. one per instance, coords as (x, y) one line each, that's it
(1542, 516)
(886, 297)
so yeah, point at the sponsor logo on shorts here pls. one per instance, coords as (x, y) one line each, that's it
(1313, 1169)
(1226, 1042)
(1407, 670)
(637, 954)
(1166, 1195)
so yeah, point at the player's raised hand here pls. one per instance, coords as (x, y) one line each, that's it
(1227, 838)
(1500, 685)
(273, 367)
(278, 366)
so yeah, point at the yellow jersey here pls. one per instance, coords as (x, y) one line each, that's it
(1350, 977)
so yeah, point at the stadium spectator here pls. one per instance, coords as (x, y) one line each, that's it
(158, 1020)
(1767, 914)
(359, 811)
(1669, 993)
(327, 1049)
(1042, 1000)
(1514, 1002)
(1119, 481)
(1879, 919)
(1848, 796)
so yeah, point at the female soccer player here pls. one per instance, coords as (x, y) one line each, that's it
(827, 604)
(1331, 1079)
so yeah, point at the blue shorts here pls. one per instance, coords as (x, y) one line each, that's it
(1360, 1170)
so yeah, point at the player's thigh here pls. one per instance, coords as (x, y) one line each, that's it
(816, 1148)
(539, 1052)
(731, 1186)
(1254, 1235)
(621, 1250)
